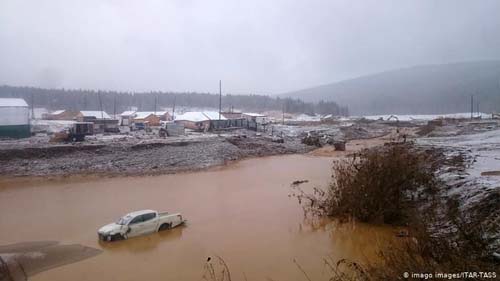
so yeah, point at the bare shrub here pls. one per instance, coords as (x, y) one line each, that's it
(375, 184)
(216, 269)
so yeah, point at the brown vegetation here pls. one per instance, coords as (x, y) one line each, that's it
(375, 184)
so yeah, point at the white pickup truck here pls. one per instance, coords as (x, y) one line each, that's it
(139, 223)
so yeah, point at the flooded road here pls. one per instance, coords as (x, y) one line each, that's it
(241, 212)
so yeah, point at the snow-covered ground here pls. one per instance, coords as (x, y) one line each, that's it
(484, 148)
(471, 185)
(426, 117)
(51, 126)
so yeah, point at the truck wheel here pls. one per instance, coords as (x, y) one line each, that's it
(164, 226)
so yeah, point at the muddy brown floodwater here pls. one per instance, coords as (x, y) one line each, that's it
(241, 212)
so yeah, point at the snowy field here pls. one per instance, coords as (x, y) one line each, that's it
(477, 184)
(427, 117)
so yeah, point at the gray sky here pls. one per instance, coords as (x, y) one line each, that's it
(255, 46)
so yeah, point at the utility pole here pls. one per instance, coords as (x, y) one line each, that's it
(114, 106)
(173, 110)
(471, 106)
(100, 104)
(156, 101)
(220, 97)
(32, 106)
(477, 109)
(283, 114)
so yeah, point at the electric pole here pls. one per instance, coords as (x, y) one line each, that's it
(471, 106)
(173, 110)
(100, 104)
(114, 106)
(32, 106)
(220, 97)
(156, 101)
(283, 114)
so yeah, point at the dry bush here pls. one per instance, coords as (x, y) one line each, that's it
(375, 184)
(216, 269)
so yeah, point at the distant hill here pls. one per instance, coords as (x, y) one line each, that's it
(423, 89)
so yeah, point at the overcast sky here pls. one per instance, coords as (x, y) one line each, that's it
(255, 46)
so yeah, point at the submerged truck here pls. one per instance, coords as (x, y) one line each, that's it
(139, 223)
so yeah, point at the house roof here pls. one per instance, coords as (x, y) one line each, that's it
(214, 115)
(254, 114)
(144, 114)
(12, 102)
(128, 113)
(192, 116)
(96, 114)
(198, 116)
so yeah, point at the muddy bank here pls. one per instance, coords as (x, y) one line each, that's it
(20, 261)
(139, 158)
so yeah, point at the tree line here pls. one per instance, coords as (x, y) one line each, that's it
(116, 102)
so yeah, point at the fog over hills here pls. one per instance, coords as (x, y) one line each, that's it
(422, 89)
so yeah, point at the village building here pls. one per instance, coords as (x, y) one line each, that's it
(14, 118)
(164, 115)
(147, 118)
(202, 121)
(102, 121)
(91, 115)
(235, 119)
(127, 118)
(61, 114)
(255, 121)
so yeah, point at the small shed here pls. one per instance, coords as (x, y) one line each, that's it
(14, 118)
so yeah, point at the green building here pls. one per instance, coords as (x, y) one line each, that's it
(14, 118)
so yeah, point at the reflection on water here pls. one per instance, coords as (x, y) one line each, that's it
(241, 212)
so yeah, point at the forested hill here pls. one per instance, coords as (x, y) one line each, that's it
(425, 89)
(112, 102)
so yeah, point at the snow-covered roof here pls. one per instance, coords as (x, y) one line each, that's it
(96, 114)
(214, 115)
(12, 102)
(253, 114)
(128, 113)
(192, 116)
(144, 114)
(197, 116)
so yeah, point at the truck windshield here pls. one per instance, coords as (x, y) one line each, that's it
(124, 220)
